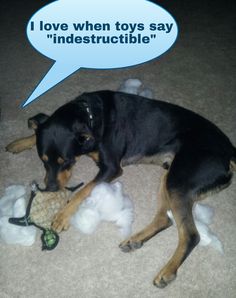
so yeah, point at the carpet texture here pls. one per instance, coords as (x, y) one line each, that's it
(197, 73)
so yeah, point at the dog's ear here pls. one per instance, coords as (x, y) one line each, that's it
(35, 121)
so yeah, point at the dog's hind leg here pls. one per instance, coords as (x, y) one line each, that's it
(159, 223)
(193, 175)
(188, 238)
(22, 144)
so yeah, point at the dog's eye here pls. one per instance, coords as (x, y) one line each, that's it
(60, 161)
(81, 139)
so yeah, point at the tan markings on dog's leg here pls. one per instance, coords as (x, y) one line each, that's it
(159, 223)
(188, 239)
(61, 220)
(63, 177)
(94, 156)
(21, 144)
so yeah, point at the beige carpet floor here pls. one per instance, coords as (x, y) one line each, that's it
(198, 73)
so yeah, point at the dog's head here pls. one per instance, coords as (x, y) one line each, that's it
(61, 139)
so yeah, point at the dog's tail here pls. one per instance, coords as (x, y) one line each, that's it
(233, 160)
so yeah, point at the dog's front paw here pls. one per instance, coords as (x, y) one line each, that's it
(19, 145)
(15, 147)
(130, 245)
(61, 221)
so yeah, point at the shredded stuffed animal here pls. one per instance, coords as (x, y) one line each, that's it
(107, 202)
(40, 212)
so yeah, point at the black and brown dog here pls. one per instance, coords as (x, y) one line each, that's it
(118, 129)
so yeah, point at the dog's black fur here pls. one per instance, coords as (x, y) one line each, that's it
(125, 128)
(122, 129)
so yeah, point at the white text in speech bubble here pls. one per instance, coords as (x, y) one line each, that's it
(101, 34)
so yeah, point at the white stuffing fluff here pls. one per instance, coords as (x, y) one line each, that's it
(130, 86)
(203, 216)
(134, 86)
(107, 202)
(146, 93)
(13, 204)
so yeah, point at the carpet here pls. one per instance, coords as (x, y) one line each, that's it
(197, 73)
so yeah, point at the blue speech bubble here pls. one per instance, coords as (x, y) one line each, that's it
(98, 34)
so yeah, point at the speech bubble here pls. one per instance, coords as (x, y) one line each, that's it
(98, 34)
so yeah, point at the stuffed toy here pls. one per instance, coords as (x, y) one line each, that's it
(107, 202)
(41, 210)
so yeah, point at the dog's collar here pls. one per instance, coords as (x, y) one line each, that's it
(84, 104)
